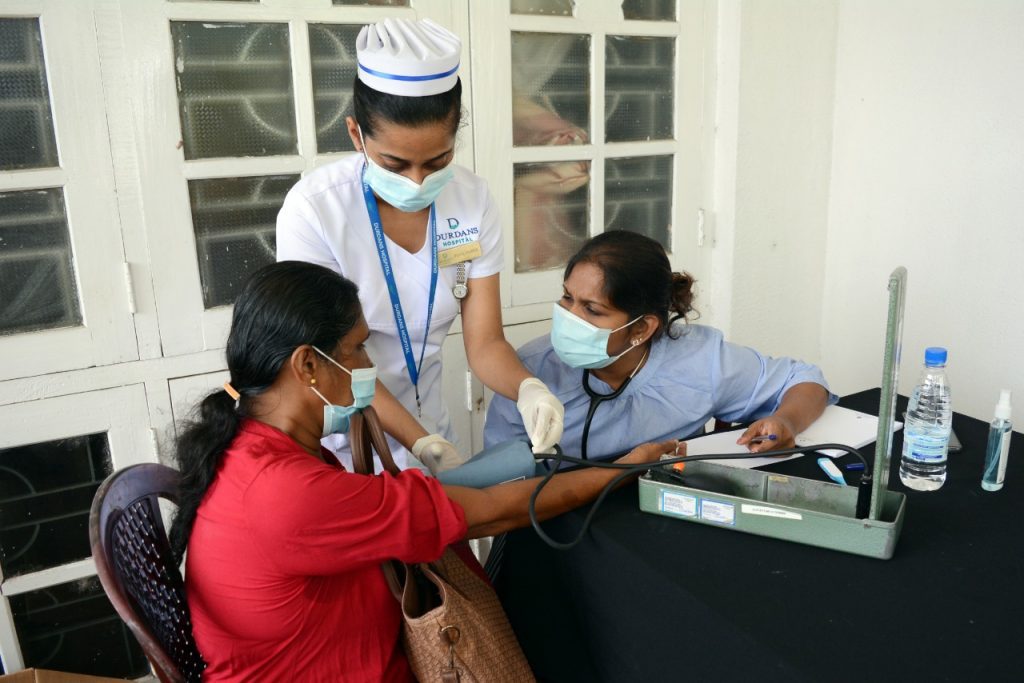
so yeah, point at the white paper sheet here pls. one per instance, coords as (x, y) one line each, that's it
(841, 425)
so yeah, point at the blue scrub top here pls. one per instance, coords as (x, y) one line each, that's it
(685, 382)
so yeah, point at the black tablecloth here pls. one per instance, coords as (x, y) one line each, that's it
(651, 598)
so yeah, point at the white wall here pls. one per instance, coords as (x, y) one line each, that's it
(866, 135)
(928, 172)
(773, 156)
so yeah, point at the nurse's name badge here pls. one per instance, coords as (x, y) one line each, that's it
(459, 254)
(457, 243)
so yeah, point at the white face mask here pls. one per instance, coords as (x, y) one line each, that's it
(580, 344)
(400, 192)
(364, 384)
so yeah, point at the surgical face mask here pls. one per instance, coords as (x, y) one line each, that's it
(364, 383)
(401, 192)
(580, 344)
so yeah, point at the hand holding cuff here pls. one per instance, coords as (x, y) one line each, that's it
(437, 453)
(543, 414)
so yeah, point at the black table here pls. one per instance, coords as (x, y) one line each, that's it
(650, 598)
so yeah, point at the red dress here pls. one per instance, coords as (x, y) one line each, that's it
(283, 568)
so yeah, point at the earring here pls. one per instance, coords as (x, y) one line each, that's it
(636, 341)
(312, 381)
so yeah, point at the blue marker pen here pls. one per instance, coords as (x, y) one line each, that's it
(829, 468)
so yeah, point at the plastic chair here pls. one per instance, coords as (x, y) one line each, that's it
(134, 562)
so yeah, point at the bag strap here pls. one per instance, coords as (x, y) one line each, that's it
(367, 436)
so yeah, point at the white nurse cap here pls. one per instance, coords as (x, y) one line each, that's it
(411, 58)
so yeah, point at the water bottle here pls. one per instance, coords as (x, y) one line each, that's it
(928, 424)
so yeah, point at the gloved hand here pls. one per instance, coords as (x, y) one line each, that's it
(543, 414)
(437, 453)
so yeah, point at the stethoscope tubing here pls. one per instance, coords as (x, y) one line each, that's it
(596, 399)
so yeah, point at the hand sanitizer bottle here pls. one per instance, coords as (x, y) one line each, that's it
(998, 448)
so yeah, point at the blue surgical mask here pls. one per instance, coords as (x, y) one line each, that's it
(580, 344)
(364, 383)
(401, 192)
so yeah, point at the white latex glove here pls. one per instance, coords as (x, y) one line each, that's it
(437, 453)
(543, 414)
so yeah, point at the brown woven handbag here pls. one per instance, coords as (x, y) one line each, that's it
(453, 626)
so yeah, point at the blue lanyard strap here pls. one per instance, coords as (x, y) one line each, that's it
(389, 277)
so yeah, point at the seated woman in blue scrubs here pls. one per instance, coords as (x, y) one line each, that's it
(620, 327)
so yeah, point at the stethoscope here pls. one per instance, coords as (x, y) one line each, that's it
(597, 399)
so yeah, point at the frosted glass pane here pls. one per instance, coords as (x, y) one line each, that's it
(234, 89)
(73, 627)
(639, 88)
(638, 196)
(372, 3)
(234, 221)
(46, 491)
(558, 8)
(552, 213)
(333, 53)
(650, 10)
(26, 124)
(37, 273)
(550, 88)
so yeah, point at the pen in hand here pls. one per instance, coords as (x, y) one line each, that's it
(764, 437)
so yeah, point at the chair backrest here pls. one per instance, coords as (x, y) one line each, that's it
(136, 567)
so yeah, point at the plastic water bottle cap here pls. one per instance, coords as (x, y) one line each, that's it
(935, 355)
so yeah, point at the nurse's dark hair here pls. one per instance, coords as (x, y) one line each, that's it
(638, 278)
(281, 307)
(371, 107)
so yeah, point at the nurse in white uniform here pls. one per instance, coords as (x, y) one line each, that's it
(420, 236)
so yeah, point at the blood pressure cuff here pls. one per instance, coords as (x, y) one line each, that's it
(502, 462)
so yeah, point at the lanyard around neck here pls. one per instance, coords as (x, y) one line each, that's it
(389, 277)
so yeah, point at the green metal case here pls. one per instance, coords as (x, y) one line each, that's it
(778, 506)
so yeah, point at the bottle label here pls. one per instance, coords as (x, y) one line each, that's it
(1004, 454)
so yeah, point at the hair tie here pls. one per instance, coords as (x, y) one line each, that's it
(232, 392)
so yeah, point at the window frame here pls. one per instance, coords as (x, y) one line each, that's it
(119, 412)
(527, 296)
(85, 176)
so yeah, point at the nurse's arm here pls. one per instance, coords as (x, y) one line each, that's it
(395, 419)
(801, 405)
(490, 356)
(500, 508)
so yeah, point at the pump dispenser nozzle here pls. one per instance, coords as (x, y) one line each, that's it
(1003, 408)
